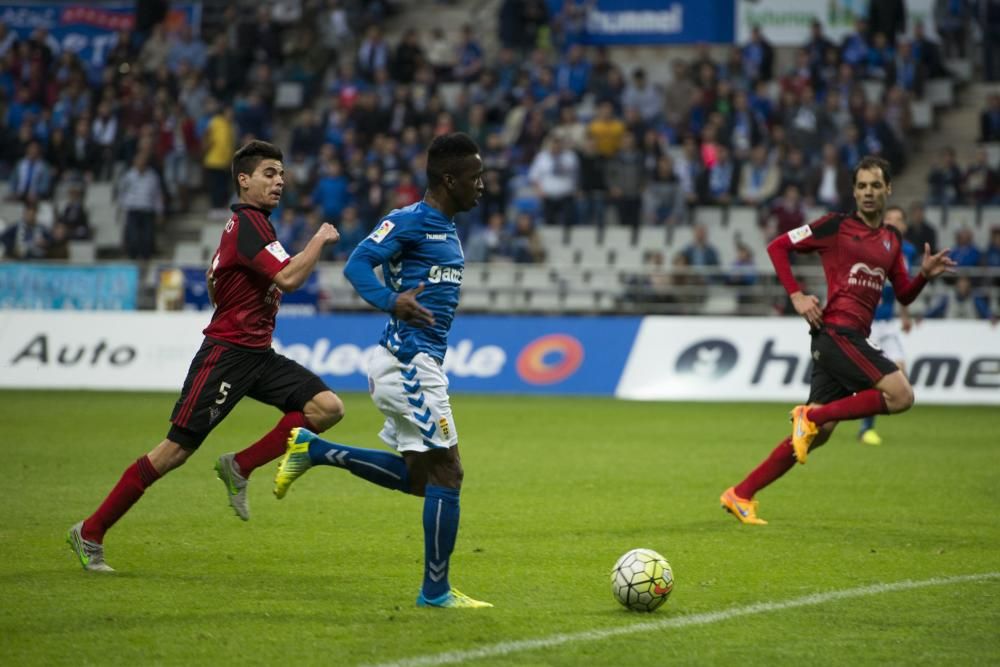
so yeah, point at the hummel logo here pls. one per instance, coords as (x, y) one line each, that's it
(437, 237)
(336, 458)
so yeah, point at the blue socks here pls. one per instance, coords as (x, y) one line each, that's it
(866, 424)
(440, 529)
(376, 466)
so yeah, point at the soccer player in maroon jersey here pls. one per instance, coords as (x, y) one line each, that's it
(850, 378)
(247, 277)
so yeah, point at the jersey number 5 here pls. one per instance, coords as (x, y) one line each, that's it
(223, 393)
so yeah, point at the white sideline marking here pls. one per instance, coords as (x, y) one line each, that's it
(506, 648)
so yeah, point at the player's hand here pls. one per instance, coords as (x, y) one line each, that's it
(327, 233)
(409, 309)
(934, 265)
(906, 323)
(807, 305)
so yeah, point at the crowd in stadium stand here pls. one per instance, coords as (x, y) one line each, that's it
(568, 136)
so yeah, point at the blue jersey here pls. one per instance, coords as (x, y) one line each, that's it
(414, 245)
(886, 308)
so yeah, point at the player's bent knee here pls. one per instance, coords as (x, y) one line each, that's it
(324, 410)
(900, 400)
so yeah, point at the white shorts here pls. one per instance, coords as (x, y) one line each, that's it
(887, 335)
(414, 399)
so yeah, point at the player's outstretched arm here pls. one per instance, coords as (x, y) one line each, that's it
(807, 305)
(298, 269)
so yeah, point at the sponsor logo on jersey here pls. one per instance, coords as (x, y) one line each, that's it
(381, 231)
(277, 251)
(862, 275)
(445, 274)
(800, 233)
(437, 237)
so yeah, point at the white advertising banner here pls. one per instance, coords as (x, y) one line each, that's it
(749, 359)
(98, 350)
(788, 22)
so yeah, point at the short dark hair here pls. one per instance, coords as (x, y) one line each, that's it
(445, 155)
(870, 162)
(894, 207)
(249, 155)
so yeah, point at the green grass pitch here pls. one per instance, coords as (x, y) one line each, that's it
(556, 490)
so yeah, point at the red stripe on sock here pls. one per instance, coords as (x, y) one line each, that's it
(778, 462)
(855, 355)
(863, 404)
(199, 381)
(133, 483)
(271, 446)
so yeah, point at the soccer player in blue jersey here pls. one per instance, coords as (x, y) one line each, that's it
(886, 331)
(422, 263)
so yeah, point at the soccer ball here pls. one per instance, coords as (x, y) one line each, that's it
(642, 580)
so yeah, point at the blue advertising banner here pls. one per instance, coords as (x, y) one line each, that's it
(31, 286)
(87, 29)
(486, 354)
(660, 22)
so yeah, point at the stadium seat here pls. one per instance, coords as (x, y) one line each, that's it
(719, 301)
(922, 114)
(940, 92)
(82, 252)
(583, 236)
(289, 95)
(579, 301)
(993, 154)
(627, 256)
(593, 255)
(873, 90)
(189, 253)
(475, 299)
(551, 236)
(960, 68)
(616, 237)
(535, 276)
(544, 300)
(560, 255)
(652, 238)
(710, 216)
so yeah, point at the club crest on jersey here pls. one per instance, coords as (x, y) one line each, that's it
(381, 231)
(277, 251)
(800, 233)
(887, 244)
(445, 430)
(863, 275)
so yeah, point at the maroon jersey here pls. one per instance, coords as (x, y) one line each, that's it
(244, 266)
(857, 260)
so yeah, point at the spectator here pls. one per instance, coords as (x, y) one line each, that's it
(490, 241)
(406, 192)
(224, 70)
(951, 18)
(408, 57)
(332, 191)
(624, 174)
(818, 45)
(32, 175)
(854, 47)
(74, 217)
(988, 16)
(758, 57)
(104, 132)
(759, 178)
(700, 253)
(26, 239)
(678, 95)
(643, 96)
(880, 58)
(784, 214)
(555, 175)
(592, 194)
(177, 143)
(352, 232)
(989, 120)
(964, 252)
(927, 52)
(919, 231)
(794, 170)
(907, 71)
(945, 180)
(980, 182)
(370, 196)
(991, 258)
(963, 302)
(829, 183)
(663, 198)
(878, 138)
(690, 169)
(607, 130)
(140, 198)
(290, 228)
(745, 127)
(526, 246)
(373, 53)
(573, 75)
(185, 47)
(654, 285)
(888, 18)
(742, 274)
(441, 55)
(219, 146)
(469, 57)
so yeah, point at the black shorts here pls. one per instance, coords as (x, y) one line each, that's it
(221, 375)
(844, 363)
